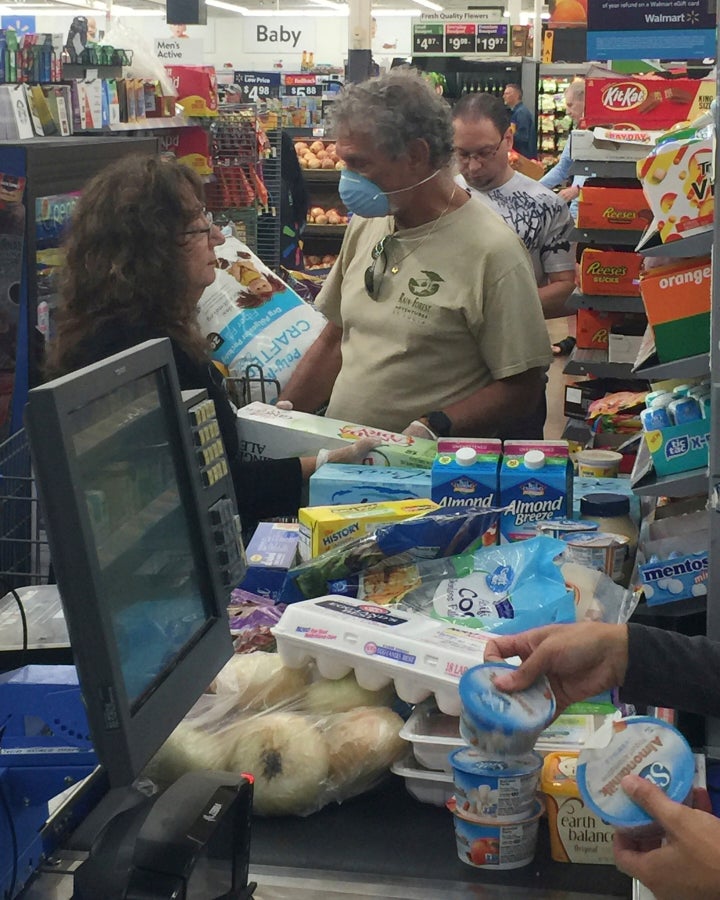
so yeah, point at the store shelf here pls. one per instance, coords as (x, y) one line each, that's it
(322, 176)
(604, 168)
(151, 124)
(697, 245)
(72, 71)
(578, 300)
(606, 236)
(645, 481)
(595, 362)
(691, 367)
(324, 230)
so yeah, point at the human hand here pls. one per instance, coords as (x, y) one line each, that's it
(569, 193)
(686, 866)
(579, 660)
(419, 430)
(351, 455)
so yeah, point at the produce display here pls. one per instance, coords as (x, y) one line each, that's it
(320, 262)
(332, 216)
(318, 155)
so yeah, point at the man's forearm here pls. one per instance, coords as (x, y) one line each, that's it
(488, 410)
(312, 382)
(554, 297)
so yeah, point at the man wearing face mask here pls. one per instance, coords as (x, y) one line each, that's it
(434, 323)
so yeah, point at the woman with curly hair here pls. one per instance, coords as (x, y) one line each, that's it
(139, 254)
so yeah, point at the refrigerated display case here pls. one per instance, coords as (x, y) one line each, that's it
(41, 181)
(467, 74)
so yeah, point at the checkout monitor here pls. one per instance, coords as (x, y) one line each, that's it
(132, 548)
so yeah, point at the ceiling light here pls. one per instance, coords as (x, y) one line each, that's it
(329, 4)
(119, 11)
(231, 7)
(430, 5)
(412, 13)
(305, 12)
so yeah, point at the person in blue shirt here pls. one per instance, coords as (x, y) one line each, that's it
(560, 172)
(524, 137)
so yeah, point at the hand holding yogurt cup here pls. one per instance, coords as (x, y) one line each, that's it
(686, 865)
(579, 660)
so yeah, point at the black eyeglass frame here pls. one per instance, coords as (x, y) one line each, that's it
(483, 156)
(208, 216)
(372, 280)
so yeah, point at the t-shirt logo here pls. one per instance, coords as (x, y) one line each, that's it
(427, 286)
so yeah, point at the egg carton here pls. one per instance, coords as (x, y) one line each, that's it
(433, 735)
(420, 655)
(424, 785)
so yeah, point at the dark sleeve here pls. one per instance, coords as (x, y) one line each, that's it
(294, 181)
(266, 488)
(670, 669)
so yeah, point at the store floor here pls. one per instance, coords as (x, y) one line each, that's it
(555, 422)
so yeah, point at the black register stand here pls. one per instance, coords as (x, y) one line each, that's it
(387, 834)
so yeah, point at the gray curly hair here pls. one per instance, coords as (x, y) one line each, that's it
(395, 109)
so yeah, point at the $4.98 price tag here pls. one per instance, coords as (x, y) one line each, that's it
(256, 86)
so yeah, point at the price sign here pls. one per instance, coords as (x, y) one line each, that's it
(303, 90)
(460, 38)
(257, 86)
(428, 38)
(492, 39)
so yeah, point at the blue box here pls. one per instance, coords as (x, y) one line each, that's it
(333, 484)
(674, 579)
(272, 550)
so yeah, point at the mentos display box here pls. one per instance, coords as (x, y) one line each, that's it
(669, 580)
(535, 485)
(677, 302)
(333, 484)
(272, 550)
(467, 477)
(325, 527)
(648, 103)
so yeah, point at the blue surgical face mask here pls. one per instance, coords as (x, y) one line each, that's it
(364, 197)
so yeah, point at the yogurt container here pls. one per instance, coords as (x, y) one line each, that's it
(638, 745)
(496, 845)
(558, 528)
(598, 550)
(599, 463)
(497, 723)
(494, 788)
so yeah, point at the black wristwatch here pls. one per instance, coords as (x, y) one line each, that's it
(439, 423)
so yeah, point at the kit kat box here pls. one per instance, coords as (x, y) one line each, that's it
(649, 103)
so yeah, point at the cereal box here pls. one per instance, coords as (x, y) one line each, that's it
(677, 180)
(648, 103)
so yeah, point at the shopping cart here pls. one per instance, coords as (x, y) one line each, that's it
(24, 552)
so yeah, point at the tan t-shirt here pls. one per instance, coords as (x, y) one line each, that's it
(462, 311)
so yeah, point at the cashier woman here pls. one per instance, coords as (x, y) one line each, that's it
(653, 667)
(139, 254)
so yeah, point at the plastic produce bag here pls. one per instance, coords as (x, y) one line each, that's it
(252, 318)
(433, 535)
(306, 740)
(506, 589)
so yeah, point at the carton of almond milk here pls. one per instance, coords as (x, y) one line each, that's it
(536, 480)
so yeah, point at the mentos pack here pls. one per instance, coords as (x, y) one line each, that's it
(466, 475)
(535, 485)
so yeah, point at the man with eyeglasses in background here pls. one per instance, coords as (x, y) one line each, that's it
(483, 137)
(434, 323)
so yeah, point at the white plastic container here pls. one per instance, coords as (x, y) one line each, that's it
(496, 845)
(422, 656)
(433, 735)
(494, 722)
(499, 789)
(424, 785)
(638, 745)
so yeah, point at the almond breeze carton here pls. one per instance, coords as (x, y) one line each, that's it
(465, 474)
(535, 485)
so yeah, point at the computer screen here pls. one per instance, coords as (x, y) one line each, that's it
(132, 548)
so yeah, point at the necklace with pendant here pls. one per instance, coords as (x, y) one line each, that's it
(395, 268)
